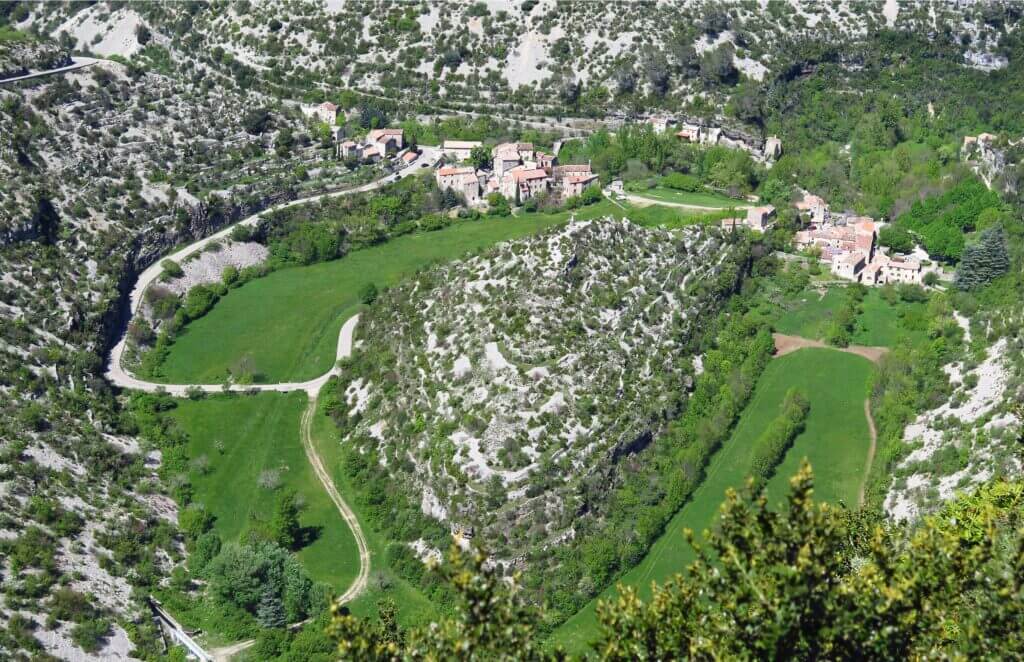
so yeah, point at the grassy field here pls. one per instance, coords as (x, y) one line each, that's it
(835, 440)
(413, 606)
(288, 321)
(700, 199)
(260, 433)
(880, 323)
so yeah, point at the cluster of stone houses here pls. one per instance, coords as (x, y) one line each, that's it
(767, 152)
(378, 144)
(518, 171)
(849, 244)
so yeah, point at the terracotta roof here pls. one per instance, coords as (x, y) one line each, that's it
(536, 173)
(451, 170)
(377, 133)
(409, 156)
(348, 143)
(327, 105)
(578, 179)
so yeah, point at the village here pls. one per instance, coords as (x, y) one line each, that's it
(849, 245)
(519, 171)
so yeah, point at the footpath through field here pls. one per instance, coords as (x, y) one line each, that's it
(124, 379)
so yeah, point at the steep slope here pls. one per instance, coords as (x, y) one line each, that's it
(502, 393)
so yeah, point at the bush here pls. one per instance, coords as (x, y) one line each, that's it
(368, 293)
(681, 182)
(171, 269)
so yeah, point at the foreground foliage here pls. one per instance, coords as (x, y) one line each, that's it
(806, 582)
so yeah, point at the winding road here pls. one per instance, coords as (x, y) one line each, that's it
(119, 376)
(79, 62)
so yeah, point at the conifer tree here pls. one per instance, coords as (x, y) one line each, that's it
(983, 261)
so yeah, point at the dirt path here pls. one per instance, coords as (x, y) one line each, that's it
(871, 451)
(647, 202)
(359, 583)
(787, 344)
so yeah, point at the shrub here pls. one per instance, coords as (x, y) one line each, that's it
(681, 182)
(171, 269)
(368, 293)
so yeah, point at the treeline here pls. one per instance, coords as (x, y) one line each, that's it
(648, 492)
(771, 446)
(941, 222)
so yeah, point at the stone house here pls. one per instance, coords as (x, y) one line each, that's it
(848, 265)
(371, 153)
(759, 219)
(689, 132)
(575, 184)
(896, 269)
(504, 161)
(772, 148)
(386, 141)
(661, 124)
(560, 172)
(462, 180)
(348, 149)
(815, 207)
(324, 112)
(522, 184)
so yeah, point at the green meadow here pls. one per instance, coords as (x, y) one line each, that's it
(287, 322)
(835, 441)
(707, 199)
(880, 323)
(238, 442)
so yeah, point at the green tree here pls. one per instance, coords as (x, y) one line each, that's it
(285, 526)
(368, 293)
(896, 238)
(480, 157)
(983, 261)
(270, 612)
(805, 581)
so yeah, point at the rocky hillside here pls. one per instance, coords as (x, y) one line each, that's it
(536, 52)
(499, 386)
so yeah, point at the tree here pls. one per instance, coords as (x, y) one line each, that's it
(983, 261)
(255, 120)
(625, 78)
(368, 293)
(497, 205)
(805, 581)
(270, 612)
(480, 157)
(284, 141)
(716, 65)
(285, 526)
(656, 69)
(896, 238)
(142, 34)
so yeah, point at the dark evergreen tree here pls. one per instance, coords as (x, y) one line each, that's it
(270, 612)
(983, 261)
